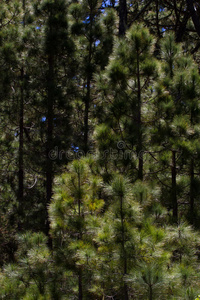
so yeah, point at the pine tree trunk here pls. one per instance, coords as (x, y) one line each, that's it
(49, 165)
(86, 117)
(80, 287)
(122, 17)
(182, 27)
(80, 283)
(139, 146)
(157, 18)
(21, 135)
(79, 202)
(21, 147)
(174, 192)
(88, 94)
(192, 178)
(150, 293)
(50, 122)
(123, 248)
(192, 191)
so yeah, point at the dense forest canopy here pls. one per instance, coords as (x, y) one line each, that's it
(100, 149)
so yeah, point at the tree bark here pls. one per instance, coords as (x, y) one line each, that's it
(50, 124)
(157, 18)
(150, 292)
(50, 116)
(122, 17)
(80, 286)
(123, 248)
(86, 117)
(192, 191)
(21, 136)
(174, 193)
(80, 279)
(139, 146)
(88, 93)
(182, 27)
(21, 147)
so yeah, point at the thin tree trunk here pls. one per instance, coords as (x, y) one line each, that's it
(80, 286)
(79, 200)
(123, 248)
(88, 94)
(122, 17)
(21, 136)
(24, 8)
(150, 293)
(182, 27)
(139, 146)
(50, 116)
(87, 106)
(86, 117)
(192, 177)
(21, 147)
(50, 122)
(80, 281)
(157, 18)
(192, 190)
(174, 192)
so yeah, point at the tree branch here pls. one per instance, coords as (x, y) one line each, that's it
(141, 11)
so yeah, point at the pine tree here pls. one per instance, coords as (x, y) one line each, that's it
(94, 35)
(52, 94)
(125, 86)
(118, 239)
(74, 219)
(174, 127)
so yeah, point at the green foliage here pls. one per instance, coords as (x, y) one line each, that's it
(28, 278)
(121, 222)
